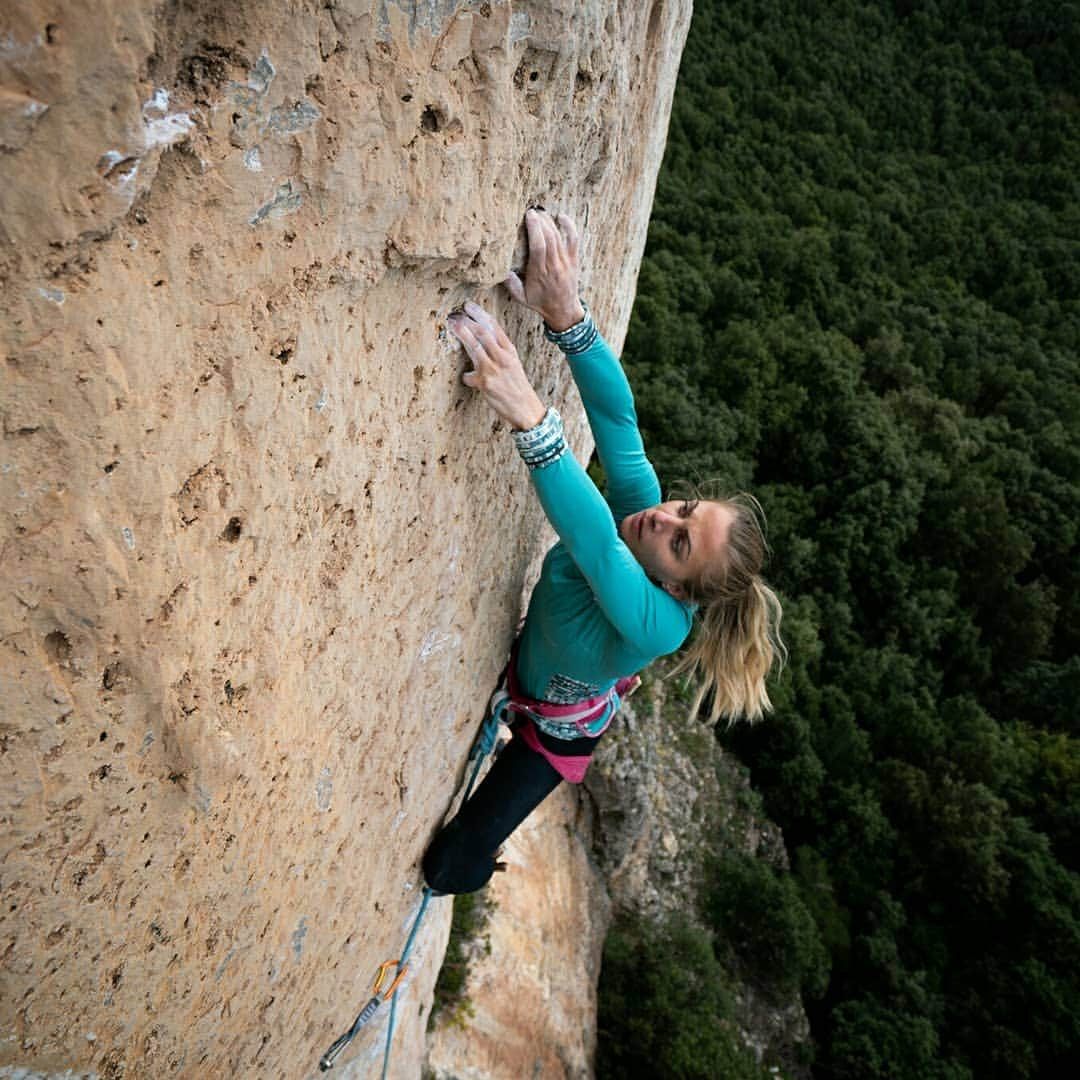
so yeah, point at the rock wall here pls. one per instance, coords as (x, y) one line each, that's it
(531, 989)
(261, 552)
(661, 794)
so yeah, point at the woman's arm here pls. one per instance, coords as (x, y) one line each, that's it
(645, 615)
(609, 404)
(652, 621)
(551, 288)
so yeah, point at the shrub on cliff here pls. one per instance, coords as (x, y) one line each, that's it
(467, 926)
(758, 911)
(664, 1007)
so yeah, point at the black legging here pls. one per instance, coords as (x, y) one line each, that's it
(461, 858)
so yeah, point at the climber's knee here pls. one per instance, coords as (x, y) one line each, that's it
(453, 864)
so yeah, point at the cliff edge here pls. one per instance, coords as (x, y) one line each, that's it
(261, 551)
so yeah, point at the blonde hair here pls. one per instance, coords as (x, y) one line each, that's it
(738, 641)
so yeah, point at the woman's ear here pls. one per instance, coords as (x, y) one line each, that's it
(676, 589)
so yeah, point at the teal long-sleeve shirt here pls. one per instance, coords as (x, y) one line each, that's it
(594, 615)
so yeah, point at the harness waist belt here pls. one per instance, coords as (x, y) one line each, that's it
(590, 717)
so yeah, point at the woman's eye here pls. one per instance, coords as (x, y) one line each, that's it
(687, 508)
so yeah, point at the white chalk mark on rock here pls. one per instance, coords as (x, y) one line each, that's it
(436, 642)
(324, 790)
(159, 103)
(287, 201)
(321, 403)
(160, 127)
(49, 293)
(253, 160)
(129, 538)
(119, 169)
(168, 129)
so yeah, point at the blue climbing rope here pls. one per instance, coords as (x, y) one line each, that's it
(485, 741)
(428, 894)
(483, 745)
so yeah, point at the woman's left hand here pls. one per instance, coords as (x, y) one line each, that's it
(551, 279)
(497, 372)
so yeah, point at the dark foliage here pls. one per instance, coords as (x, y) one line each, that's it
(665, 1007)
(861, 300)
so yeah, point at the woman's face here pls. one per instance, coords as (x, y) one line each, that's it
(677, 541)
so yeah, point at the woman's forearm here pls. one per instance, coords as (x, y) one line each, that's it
(609, 405)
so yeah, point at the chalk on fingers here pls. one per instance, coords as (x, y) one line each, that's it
(512, 284)
(570, 231)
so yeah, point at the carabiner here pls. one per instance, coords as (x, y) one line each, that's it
(383, 968)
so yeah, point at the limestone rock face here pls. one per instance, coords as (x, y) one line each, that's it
(532, 989)
(657, 799)
(261, 551)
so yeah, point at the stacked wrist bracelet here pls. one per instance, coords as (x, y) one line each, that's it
(577, 338)
(544, 444)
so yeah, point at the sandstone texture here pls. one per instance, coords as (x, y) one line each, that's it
(261, 552)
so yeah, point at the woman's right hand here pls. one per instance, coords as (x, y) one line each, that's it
(551, 276)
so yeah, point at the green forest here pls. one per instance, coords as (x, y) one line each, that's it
(860, 301)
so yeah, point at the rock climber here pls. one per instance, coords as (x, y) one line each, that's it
(622, 585)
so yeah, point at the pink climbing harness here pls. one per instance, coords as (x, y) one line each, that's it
(590, 717)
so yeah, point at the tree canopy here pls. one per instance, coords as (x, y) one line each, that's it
(861, 301)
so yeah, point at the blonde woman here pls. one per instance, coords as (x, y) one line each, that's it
(624, 582)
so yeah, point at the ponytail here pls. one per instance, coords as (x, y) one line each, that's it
(738, 637)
